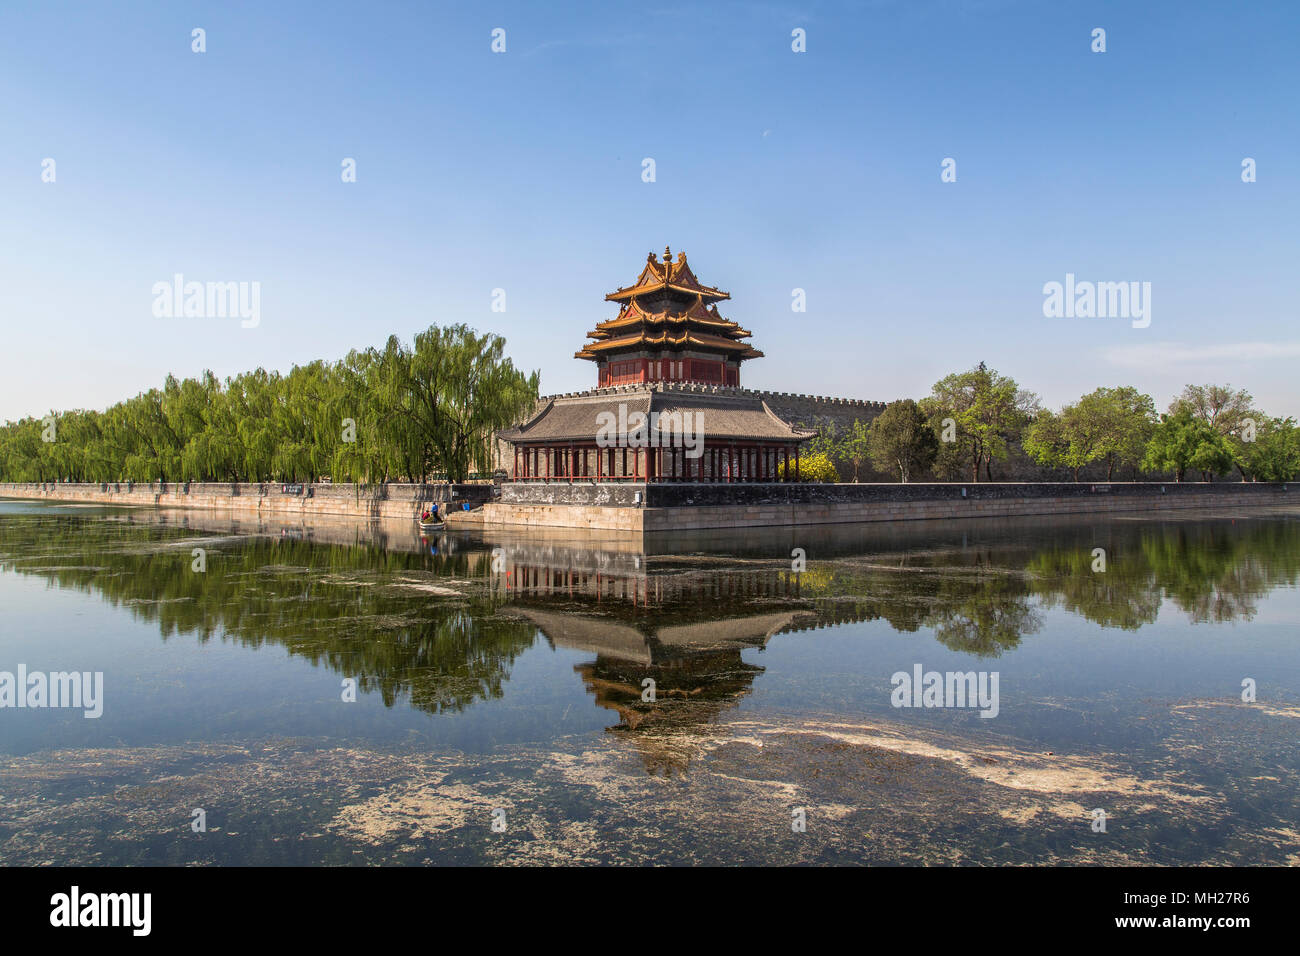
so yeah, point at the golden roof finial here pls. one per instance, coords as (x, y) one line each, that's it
(668, 254)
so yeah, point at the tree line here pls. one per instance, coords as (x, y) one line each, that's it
(395, 413)
(432, 409)
(977, 419)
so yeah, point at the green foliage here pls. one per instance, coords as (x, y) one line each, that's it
(847, 451)
(1227, 410)
(395, 412)
(1274, 455)
(1113, 424)
(855, 448)
(1182, 441)
(901, 439)
(988, 411)
(825, 442)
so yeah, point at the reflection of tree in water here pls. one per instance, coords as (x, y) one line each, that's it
(984, 600)
(1219, 573)
(984, 618)
(359, 611)
(1213, 572)
(1125, 596)
(972, 604)
(444, 630)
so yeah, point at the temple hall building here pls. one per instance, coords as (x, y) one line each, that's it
(669, 405)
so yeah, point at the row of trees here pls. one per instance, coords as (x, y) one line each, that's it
(432, 409)
(973, 419)
(379, 414)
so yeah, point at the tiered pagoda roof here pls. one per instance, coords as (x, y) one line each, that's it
(668, 406)
(668, 309)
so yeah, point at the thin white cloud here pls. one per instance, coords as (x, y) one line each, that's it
(1166, 354)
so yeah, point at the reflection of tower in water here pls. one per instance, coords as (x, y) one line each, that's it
(689, 692)
(667, 644)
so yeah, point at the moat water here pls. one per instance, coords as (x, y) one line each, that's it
(357, 694)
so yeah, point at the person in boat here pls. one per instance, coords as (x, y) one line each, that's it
(430, 514)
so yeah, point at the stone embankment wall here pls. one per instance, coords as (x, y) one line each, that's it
(338, 500)
(639, 508)
(669, 507)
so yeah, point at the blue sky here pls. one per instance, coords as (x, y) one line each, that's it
(775, 170)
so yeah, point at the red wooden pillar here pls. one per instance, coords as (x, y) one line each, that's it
(785, 472)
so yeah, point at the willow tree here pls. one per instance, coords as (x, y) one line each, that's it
(463, 390)
(390, 413)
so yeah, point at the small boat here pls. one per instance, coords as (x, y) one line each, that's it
(430, 521)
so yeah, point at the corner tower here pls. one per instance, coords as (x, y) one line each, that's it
(668, 330)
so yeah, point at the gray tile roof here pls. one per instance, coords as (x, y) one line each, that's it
(733, 414)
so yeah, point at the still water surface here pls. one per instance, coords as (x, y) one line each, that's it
(501, 676)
